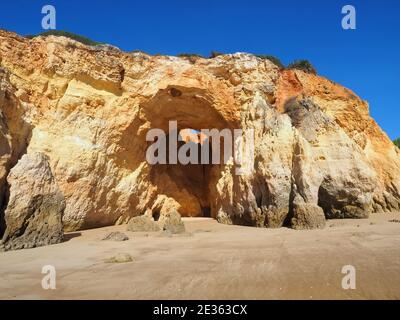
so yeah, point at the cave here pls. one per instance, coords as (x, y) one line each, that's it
(191, 185)
(194, 178)
(188, 184)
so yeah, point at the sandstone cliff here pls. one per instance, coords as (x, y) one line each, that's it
(318, 153)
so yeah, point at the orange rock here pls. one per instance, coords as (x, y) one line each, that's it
(89, 109)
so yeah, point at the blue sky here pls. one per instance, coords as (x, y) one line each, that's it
(366, 60)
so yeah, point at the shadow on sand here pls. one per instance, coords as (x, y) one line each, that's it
(71, 235)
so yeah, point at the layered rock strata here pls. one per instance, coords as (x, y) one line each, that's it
(318, 153)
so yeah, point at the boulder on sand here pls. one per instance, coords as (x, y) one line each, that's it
(35, 207)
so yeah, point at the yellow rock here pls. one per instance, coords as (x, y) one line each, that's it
(89, 109)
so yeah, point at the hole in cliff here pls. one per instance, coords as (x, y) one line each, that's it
(206, 212)
(184, 112)
(156, 215)
(2, 224)
(330, 203)
(175, 92)
(195, 174)
(188, 182)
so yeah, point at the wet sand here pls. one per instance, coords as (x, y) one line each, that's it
(215, 261)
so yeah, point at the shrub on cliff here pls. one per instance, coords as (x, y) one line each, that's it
(189, 55)
(70, 35)
(192, 57)
(303, 65)
(273, 59)
(215, 54)
(397, 142)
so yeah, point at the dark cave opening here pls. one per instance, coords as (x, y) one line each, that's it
(191, 185)
(191, 180)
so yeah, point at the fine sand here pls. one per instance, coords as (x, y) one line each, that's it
(215, 261)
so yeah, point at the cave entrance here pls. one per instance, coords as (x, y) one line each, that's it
(192, 108)
(191, 180)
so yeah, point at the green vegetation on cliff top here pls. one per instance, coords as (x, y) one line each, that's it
(304, 65)
(67, 34)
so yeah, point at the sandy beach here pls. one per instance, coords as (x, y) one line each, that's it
(215, 261)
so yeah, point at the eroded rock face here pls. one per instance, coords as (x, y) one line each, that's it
(35, 207)
(317, 151)
(14, 135)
